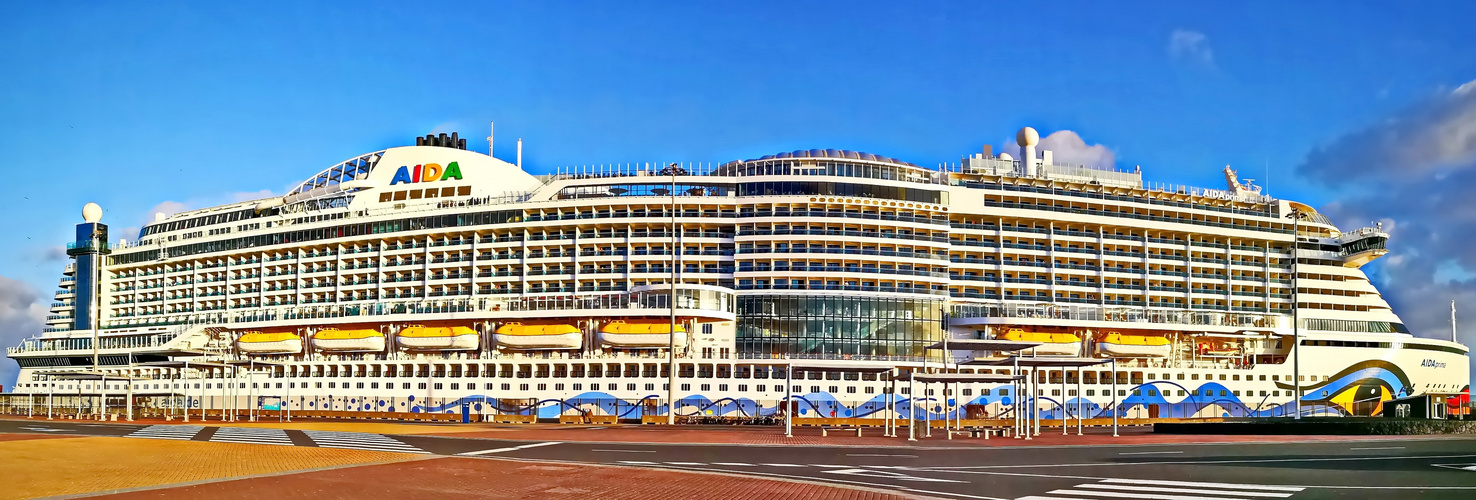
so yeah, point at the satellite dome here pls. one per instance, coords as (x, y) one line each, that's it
(1006, 157)
(91, 212)
(159, 216)
(1027, 137)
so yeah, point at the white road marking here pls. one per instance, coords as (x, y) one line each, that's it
(877, 455)
(685, 463)
(1140, 496)
(1135, 487)
(1150, 453)
(251, 435)
(511, 448)
(733, 464)
(1199, 484)
(44, 429)
(180, 432)
(783, 465)
(964, 468)
(627, 451)
(888, 475)
(1467, 467)
(1379, 448)
(636, 462)
(359, 441)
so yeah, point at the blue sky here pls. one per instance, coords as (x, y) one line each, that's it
(134, 104)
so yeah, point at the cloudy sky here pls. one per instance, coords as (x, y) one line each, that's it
(1355, 107)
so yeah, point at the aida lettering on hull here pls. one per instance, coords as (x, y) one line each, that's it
(427, 173)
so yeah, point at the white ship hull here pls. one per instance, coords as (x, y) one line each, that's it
(493, 250)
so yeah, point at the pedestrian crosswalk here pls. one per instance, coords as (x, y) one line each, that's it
(182, 432)
(251, 435)
(1154, 489)
(360, 441)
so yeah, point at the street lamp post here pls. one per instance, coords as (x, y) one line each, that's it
(671, 298)
(1296, 217)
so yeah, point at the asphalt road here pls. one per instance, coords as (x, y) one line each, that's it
(1440, 467)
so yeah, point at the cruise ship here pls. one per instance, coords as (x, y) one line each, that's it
(432, 279)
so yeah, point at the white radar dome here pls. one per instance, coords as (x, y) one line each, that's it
(1027, 137)
(1006, 157)
(159, 216)
(91, 212)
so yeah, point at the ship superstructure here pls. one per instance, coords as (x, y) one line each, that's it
(426, 277)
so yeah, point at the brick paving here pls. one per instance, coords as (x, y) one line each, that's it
(482, 478)
(24, 437)
(760, 435)
(75, 465)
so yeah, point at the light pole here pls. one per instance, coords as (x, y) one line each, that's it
(1296, 217)
(671, 297)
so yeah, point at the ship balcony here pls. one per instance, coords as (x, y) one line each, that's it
(1126, 315)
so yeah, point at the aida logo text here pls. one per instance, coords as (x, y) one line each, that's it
(1430, 363)
(427, 173)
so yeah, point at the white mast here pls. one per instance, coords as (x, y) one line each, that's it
(1452, 321)
(491, 131)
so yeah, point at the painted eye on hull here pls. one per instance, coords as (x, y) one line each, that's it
(1364, 397)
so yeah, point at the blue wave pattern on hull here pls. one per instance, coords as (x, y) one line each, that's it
(824, 404)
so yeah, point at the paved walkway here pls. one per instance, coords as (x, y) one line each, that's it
(38, 465)
(481, 478)
(41, 466)
(753, 435)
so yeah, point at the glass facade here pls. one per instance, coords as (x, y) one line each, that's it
(836, 327)
(841, 189)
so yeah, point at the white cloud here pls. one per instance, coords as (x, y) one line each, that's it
(1435, 136)
(1412, 172)
(1192, 46)
(22, 312)
(167, 208)
(1068, 148)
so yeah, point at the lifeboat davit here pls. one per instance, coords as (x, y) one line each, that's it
(269, 343)
(1051, 344)
(335, 340)
(455, 338)
(1118, 345)
(520, 336)
(1217, 349)
(619, 333)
